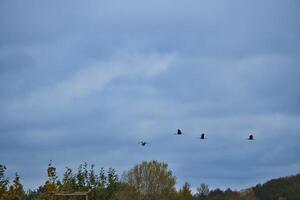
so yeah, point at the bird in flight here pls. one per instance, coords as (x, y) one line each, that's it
(143, 143)
(178, 132)
(250, 137)
(202, 137)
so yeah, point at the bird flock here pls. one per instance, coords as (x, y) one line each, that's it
(202, 137)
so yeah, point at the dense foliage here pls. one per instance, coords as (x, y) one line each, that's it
(146, 181)
(288, 187)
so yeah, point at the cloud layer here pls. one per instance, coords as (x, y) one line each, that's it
(87, 81)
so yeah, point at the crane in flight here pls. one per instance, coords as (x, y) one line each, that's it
(250, 137)
(143, 143)
(179, 132)
(202, 137)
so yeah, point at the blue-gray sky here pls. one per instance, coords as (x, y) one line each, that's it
(86, 80)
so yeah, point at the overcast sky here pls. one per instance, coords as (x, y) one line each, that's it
(85, 81)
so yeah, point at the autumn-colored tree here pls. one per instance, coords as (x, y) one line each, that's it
(50, 184)
(126, 192)
(281, 198)
(16, 191)
(151, 180)
(249, 194)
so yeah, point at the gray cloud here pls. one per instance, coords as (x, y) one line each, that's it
(85, 82)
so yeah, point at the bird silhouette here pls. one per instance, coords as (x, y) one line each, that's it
(143, 143)
(202, 137)
(178, 132)
(250, 137)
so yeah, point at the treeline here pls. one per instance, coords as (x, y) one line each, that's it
(288, 187)
(145, 181)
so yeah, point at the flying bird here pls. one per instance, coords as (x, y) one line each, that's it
(250, 137)
(178, 132)
(202, 137)
(143, 143)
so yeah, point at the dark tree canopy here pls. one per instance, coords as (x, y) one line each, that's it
(150, 180)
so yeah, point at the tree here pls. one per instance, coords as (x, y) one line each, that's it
(92, 183)
(185, 192)
(68, 182)
(287, 187)
(216, 194)
(231, 195)
(50, 184)
(3, 182)
(16, 191)
(202, 191)
(126, 192)
(281, 198)
(248, 194)
(99, 190)
(81, 177)
(113, 181)
(151, 179)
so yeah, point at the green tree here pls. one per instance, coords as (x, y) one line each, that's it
(80, 177)
(68, 183)
(185, 192)
(112, 183)
(231, 195)
(216, 194)
(3, 182)
(287, 187)
(202, 191)
(92, 182)
(99, 190)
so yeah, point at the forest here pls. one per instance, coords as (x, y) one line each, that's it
(149, 180)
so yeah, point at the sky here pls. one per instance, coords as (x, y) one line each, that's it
(85, 81)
